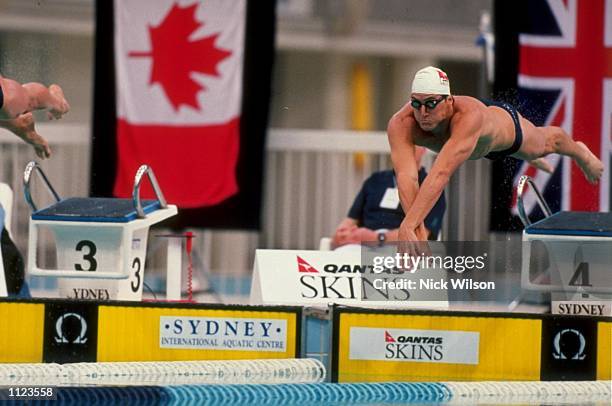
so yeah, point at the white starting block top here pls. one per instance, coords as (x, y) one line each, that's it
(575, 248)
(579, 246)
(97, 223)
(100, 242)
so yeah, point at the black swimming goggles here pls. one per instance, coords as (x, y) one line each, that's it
(429, 104)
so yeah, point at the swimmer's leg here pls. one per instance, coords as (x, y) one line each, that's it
(542, 164)
(541, 141)
(20, 99)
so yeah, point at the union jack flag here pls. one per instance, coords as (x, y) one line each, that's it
(565, 80)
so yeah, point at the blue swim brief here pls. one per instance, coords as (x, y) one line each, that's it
(518, 132)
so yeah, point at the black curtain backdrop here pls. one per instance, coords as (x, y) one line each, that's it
(507, 24)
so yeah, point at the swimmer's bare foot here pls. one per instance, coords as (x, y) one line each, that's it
(542, 164)
(590, 164)
(23, 126)
(61, 106)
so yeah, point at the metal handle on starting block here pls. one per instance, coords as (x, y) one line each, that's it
(539, 198)
(27, 177)
(146, 169)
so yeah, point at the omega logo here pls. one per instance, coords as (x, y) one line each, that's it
(67, 329)
(569, 344)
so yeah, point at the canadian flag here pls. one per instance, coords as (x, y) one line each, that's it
(179, 92)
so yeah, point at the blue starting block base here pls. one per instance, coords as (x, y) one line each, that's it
(574, 223)
(95, 209)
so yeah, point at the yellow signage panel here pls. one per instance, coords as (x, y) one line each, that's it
(133, 333)
(429, 347)
(604, 353)
(21, 335)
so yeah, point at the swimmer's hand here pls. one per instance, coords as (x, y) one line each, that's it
(411, 232)
(413, 240)
(23, 127)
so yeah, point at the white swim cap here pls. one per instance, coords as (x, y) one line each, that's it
(431, 80)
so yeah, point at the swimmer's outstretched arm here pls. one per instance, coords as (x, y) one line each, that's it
(455, 152)
(404, 159)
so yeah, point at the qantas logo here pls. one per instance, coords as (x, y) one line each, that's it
(443, 77)
(413, 339)
(304, 266)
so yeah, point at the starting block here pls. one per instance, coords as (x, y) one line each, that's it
(571, 253)
(101, 243)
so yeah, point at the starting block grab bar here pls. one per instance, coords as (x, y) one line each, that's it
(97, 238)
(33, 167)
(146, 170)
(524, 180)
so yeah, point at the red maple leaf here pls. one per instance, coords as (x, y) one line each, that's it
(175, 56)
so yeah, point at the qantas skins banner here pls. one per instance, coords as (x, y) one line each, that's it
(179, 69)
(554, 61)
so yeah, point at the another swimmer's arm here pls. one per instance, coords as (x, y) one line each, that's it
(404, 161)
(23, 127)
(456, 150)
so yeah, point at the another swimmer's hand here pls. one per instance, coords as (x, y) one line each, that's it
(23, 127)
(42, 150)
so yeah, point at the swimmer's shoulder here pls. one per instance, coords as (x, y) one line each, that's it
(403, 118)
(402, 126)
(468, 108)
(467, 103)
